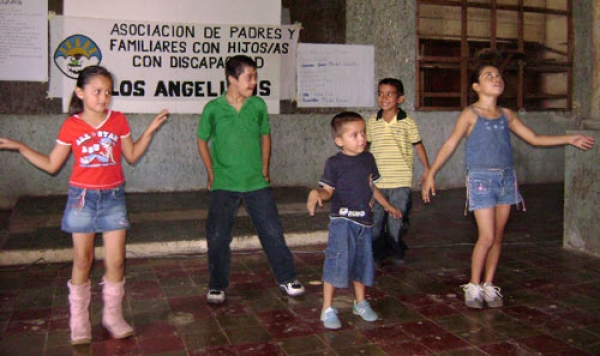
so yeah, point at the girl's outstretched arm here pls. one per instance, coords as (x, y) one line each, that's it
(132, 151)
(465, 121)
(50, 163)
(517, 126)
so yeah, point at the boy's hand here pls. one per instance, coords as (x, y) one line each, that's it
(314, 198)
(209, 180)
(393, 212)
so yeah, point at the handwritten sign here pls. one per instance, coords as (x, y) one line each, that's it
(24, 40)
(335, 75)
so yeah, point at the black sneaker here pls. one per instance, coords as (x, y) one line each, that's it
(293, 288)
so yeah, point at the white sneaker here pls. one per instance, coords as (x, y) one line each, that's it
(491, 295)
(215, 296)
(473, 295)
(293, 288)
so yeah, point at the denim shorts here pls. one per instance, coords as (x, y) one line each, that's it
(348, 255)
(93, 210)
(487, 188)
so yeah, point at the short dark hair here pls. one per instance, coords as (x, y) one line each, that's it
(396, 83)
(235, 66)
(339, 120)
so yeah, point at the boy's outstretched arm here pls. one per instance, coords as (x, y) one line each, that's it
(132, 151)
(389, 208)
(318, 196)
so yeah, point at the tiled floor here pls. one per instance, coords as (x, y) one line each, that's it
(552, 299)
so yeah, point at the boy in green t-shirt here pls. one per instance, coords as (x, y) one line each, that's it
(237, 166)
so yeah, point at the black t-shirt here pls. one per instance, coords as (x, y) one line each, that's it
(352, 179)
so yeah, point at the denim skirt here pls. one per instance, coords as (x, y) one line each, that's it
(95, 210)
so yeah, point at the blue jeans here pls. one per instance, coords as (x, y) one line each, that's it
(387, 231)
(348, 256)
(263, 212)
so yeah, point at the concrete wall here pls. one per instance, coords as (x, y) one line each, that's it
(595, 60)
(582, 199)
(586, 65)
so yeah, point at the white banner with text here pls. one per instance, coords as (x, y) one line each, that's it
(167, 65)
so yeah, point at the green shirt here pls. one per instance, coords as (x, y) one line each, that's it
(235, 142)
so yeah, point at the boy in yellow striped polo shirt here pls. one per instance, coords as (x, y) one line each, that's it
(393, 136)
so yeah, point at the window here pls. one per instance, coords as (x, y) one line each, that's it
(529, 40)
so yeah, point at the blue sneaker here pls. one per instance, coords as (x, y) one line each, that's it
(330, 319)
(363, 309)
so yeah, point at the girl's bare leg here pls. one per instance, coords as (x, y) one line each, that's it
(486, 227)
(359, 291)
(493, 256)
(83, 257)
(114, 255)
(328, 292)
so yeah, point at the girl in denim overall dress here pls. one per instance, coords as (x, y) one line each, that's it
(491, 179)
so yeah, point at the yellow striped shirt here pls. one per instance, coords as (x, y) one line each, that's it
(392, 146)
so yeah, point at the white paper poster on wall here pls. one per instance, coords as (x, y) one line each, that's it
(24, 40)
(335, 75)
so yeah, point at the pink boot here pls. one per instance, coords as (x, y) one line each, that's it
(79, 320)
(112, 314)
